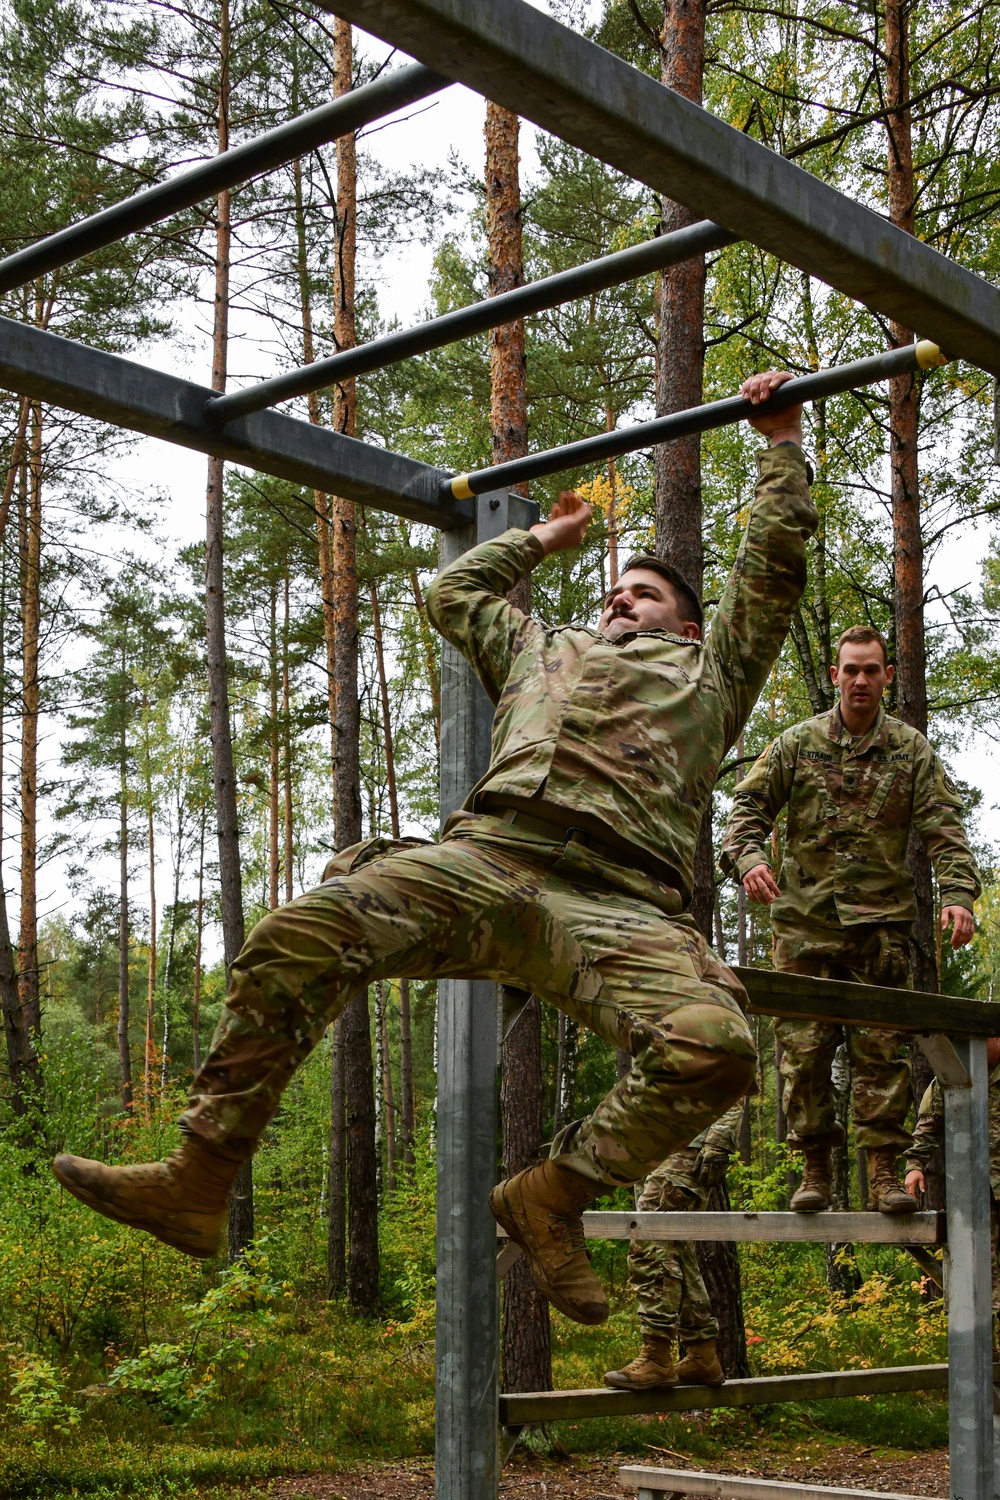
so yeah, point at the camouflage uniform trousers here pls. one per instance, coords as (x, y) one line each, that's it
(665, 1275)
(868, 953)
(493, 902)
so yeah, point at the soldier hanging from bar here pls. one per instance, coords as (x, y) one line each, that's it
(567, 872)
(855, 782)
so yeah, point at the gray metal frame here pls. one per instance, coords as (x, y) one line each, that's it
(521, 58)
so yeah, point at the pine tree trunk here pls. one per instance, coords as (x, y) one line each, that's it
(199, 932)
(124, 1050)
(286, 722)
(566, 1050)
(842, 1274)
(274, 765)
(336, 1253)
(527, 1345)
(31, 559)
(908, 550)
(223, 768)
(527, 1355)
(362, 1198)
(150, 1053)
(22, 1059)
(720, 1266)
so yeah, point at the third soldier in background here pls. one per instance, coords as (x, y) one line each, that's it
(854, 781)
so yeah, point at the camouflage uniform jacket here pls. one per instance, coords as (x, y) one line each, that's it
(850, 806)
(928, 1133)
(630, 732)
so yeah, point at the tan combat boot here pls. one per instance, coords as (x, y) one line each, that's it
(885, 1191)
(700, 1365)
(540, 1209)
(181, 1200)
(651, 1370)
(813, 1193)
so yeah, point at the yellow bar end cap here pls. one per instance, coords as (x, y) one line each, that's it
(460, 486)
(929, 355)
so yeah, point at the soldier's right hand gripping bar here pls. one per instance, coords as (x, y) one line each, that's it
(906, 360)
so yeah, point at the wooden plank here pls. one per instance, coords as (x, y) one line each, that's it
(949, 1070)
(823, 1229)
(740, 1486)
(799, 997)
(818, 1229)
(519, 1408)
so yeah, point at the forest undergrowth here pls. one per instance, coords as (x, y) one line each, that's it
(125, 1368)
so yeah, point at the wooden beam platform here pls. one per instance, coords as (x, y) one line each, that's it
(655, 1481)
(519, 1408)
(800, 997)
(823, 1229)
(820, 1229)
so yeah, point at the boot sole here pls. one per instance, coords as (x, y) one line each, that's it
(880, 1208)
(682, 1380)
(196, 1249)
(633, 1385)
(505, 1218)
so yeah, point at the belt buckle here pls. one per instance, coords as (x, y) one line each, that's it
(583, 835)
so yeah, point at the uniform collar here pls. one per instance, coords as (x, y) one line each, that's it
(877, 735)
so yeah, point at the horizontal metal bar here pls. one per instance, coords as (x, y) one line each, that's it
(550, 291)
(799, 997)
(815, 387)
(658, 1481)
(517, 55)
(820, 1229)
(519, 1408)
(132, 395)
(295, 138)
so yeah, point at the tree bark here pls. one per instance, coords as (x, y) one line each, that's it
(199, 933)
(286, 730)
(151, 963)
(527, 1345)
(565, 1104)
(908, 552)
(720, 1266)
(362, 1159)
(274, 764)
(223, 768)
(336, 1250)
(31, 561)
(124, 1050)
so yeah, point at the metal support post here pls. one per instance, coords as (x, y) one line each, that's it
(970, 1330)
(467, 1462)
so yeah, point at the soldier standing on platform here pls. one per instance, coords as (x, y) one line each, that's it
(855, 781)
(664, 1275)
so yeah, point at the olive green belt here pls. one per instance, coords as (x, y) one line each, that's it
(559, 833)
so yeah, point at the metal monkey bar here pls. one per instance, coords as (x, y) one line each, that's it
(523, 59)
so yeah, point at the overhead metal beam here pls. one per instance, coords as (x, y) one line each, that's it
(134, 396)
(295, 138)
(815, 387)
(550, 291)
(523, 59)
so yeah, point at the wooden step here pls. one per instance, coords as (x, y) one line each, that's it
(519, 1408)
(650, 1482)
(824, 1229)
